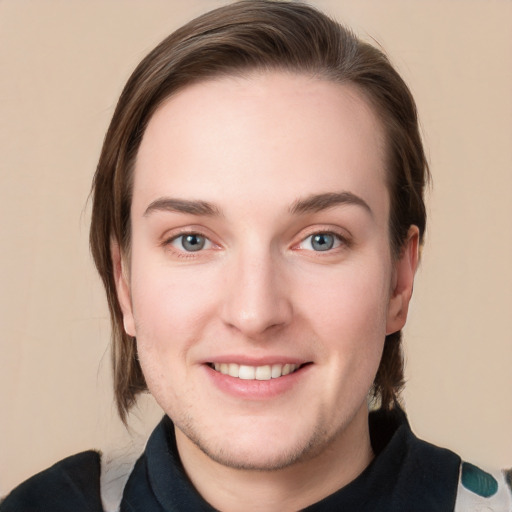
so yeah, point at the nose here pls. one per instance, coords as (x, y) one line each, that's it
(256, 299)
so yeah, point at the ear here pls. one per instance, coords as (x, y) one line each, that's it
(403, 281)
(122, 288)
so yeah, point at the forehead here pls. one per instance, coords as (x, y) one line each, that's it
(276, 134)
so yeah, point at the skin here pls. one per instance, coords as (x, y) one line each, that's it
(262, 152)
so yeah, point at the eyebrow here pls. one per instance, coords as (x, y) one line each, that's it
(192, 207)
(312, 203)
(319, 202)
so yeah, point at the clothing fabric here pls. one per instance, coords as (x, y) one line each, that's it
(407, 474)
(70, 485)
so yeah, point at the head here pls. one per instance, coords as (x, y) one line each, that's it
(238, 41)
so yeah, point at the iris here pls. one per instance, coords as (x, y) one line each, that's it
(322, 241)
(192, 242)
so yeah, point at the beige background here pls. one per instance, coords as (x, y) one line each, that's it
(62, 66)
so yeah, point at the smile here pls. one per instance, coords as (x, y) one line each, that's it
(244, 372)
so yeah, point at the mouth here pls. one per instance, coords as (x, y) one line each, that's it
(264, 372)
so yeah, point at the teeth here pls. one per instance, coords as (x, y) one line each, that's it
(233, 370)
(263, 372)
(244, 372)
(277, 370)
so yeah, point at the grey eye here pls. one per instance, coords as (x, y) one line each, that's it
(322, 241)
(192, 243)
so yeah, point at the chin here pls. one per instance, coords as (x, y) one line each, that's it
(260, 448)
(259, 459)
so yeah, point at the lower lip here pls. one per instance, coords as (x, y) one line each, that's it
(256, 389)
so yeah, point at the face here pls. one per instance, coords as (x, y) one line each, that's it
(260, 285)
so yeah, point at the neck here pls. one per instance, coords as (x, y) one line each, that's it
(292, 488)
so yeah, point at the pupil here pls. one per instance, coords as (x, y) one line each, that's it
(322, 242)
(193, 242)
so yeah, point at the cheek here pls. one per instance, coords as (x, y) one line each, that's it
(169, 304)
(356, 295)
(348, 312)
(169, 309)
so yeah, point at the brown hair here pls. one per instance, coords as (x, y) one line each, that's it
(238, 38)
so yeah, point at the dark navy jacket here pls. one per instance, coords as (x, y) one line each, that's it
(407, 474)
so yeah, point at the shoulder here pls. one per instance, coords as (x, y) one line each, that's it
(71, 484)
(481, 490)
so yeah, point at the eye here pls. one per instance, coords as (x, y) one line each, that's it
(321, 242)
(190, 242)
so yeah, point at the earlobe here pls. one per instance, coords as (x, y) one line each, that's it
(122, 288)
(405, 269)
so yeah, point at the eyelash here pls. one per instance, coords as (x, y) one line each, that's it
(338, 242)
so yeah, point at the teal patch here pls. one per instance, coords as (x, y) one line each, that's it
(478, 481)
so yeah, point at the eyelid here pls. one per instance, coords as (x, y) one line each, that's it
(176, 232)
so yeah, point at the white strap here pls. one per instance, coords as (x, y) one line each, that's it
(469, 501)
(115, 471)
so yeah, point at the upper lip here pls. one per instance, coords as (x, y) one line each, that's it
(256, 361)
